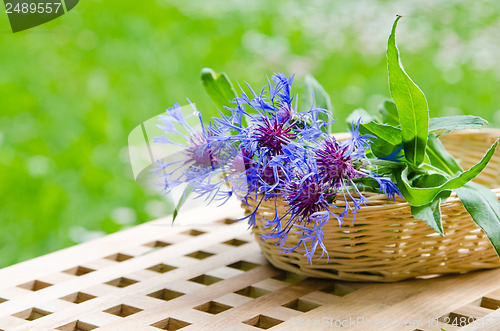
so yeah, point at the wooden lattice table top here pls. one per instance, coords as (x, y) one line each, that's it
(206, 273)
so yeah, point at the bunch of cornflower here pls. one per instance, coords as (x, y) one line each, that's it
(267, 149)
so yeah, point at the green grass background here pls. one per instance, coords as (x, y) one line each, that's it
(72, 90)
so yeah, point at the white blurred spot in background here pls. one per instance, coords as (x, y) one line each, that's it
(124, 216)
(156, 208)
(97, 84)
(79, 234)
(38, 165)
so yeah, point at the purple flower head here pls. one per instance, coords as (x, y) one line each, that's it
(199, 152)
(200, 155)
(335, 163)
(199, 161)
(273, 135)
(306, 196)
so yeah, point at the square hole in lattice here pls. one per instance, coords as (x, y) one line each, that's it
(263, 322)
(122, 310)
(78, 271)
(252, 292)
(301, 305)
(227, 221)
(490, 303)
(289, 277)
(78, 297)
(121, 282)
(235, 242)
(213, 307)
(170, 324)
(165, 294)
(338, 289)
(243, 265)
(200, 255)
(157, 243)
(34, 285)
(162, 268)
(32, 314)
(119, 257)
(77, 326)
(205, 279)
(193, 232)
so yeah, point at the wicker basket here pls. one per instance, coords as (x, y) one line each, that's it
(387, 244)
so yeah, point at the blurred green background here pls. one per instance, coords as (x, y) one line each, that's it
(72, 90)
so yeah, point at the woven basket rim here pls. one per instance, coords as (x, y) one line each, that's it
(374, 196)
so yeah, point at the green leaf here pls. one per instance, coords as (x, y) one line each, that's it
(219, 88)
(386, 133)
(314, 91)
(429, 180)
(388, 137)
(456, 122)
(439, 156)
(321, 98)
(431, 212)
(418, 196)
(389, 112)
(187, 191)
(482, 204)
(411, 104)
(357, 114)
(367, 184)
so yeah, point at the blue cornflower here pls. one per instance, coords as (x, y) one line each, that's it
(313, 235)
(265, 149)
(272, 123)
(198, 162)
(387, 186)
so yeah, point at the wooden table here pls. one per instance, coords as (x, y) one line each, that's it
(206, 273)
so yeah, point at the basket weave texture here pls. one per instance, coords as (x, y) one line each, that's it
(386, 244)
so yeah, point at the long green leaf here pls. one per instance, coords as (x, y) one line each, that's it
(219, 88)
(456, 122)
(482, 204)
(389, 112)
(431, 213)
(314, 90)
(411, 104)
(418, 196)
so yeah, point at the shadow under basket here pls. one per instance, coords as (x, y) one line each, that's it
(386, 244)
